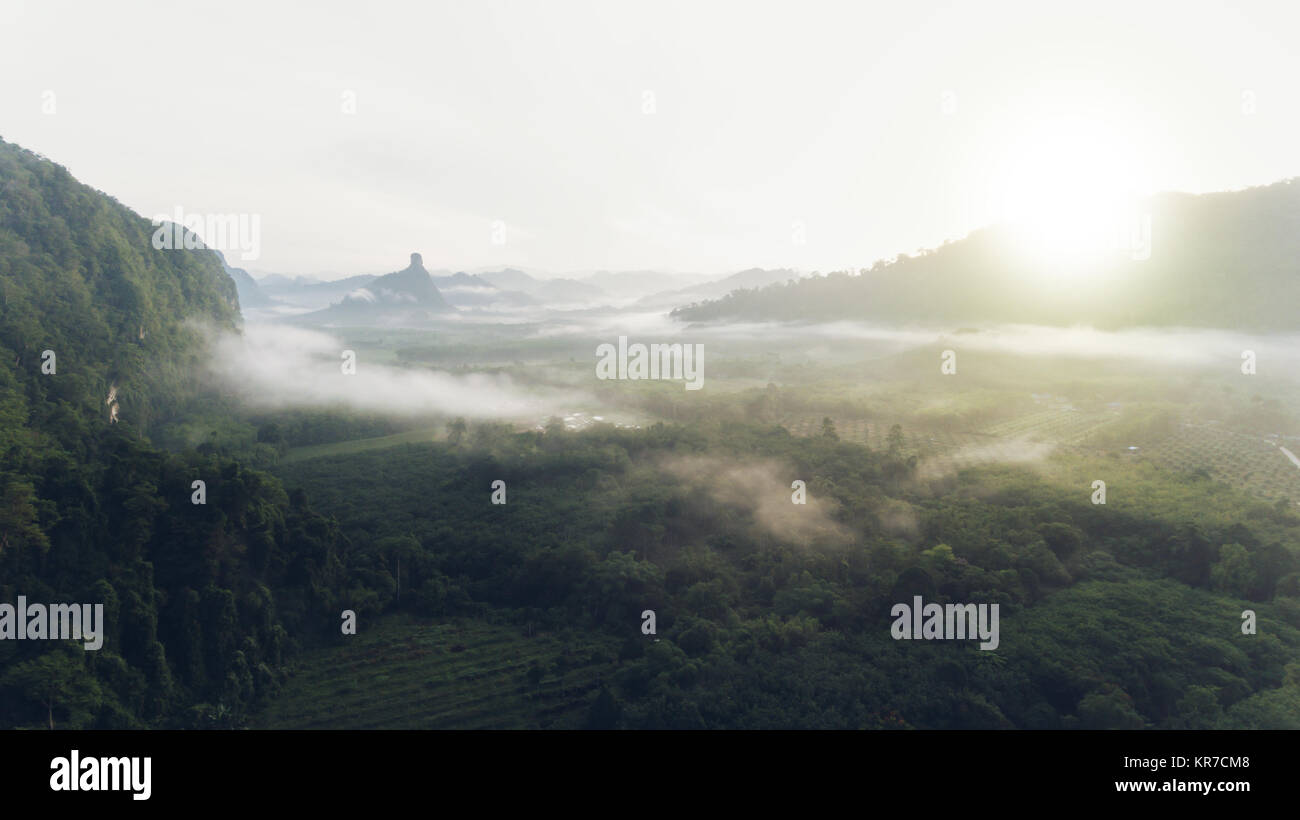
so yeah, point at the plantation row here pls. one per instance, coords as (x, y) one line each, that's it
(402, 673)
(1246, 462)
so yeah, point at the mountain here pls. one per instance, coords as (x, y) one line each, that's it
(105, 341)
(751, 278)
(278, 280)
(307, 292)
(250, 295)
(548, 291)
(1226, 260)
(473, 291)
(459, 290)
(407, 297)
(510, 279)
(630, 285)
(81, 278)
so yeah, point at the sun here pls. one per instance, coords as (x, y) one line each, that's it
(1067, 191)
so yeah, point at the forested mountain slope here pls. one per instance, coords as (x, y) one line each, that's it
(81, 278)
(91, 512)
(1227, 260)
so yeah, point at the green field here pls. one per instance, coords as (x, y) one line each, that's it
(941, 451)
(359, 445)
(404, 673)
(1057, 425)
(1248, 462)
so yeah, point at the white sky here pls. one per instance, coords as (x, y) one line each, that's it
(830, 115)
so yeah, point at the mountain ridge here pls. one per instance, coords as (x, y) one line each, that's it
(405, 297)
(1224, 260)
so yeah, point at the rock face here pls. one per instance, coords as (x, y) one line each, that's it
(250, 295)
(406, 297)
(413, 285)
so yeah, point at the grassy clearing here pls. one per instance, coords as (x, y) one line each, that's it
(359, 445)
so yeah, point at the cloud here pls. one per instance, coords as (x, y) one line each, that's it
(276, 366)
(1172, 346)
(361, 295)
(898, 517)
(1021, 451)
(762, 488)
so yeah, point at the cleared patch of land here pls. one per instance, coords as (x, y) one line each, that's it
(1248, 462)
(358, 445)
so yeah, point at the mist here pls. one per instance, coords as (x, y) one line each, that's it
(274, 366)
(762, 488)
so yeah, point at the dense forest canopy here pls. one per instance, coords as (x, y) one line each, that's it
(92, 511)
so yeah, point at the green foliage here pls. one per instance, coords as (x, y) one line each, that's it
(757, 630)
(91, 512)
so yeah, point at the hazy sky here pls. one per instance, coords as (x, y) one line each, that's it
(696, 136)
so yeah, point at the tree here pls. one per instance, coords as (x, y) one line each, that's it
(1112, 709)
(1062, 539)
(58, 678)
(1198, 709)
(456, 430)
(535, 675)
(605, 711)
(895, 440)
(1233, 572)
(828, 429)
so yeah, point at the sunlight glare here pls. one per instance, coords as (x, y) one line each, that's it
(1067, 191)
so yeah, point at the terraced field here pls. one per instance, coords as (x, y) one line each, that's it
(402, 673)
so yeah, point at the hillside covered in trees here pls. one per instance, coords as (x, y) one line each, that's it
(1222, 260)
(199, 599)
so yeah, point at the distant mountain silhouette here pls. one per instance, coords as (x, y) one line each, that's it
(633, 284)
(466, 290)
(309, 292)
(250, 295)
(751, 278)
(1227, 260)
(549, 291)
(407, 297)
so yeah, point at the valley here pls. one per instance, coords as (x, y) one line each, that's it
(356, 443)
